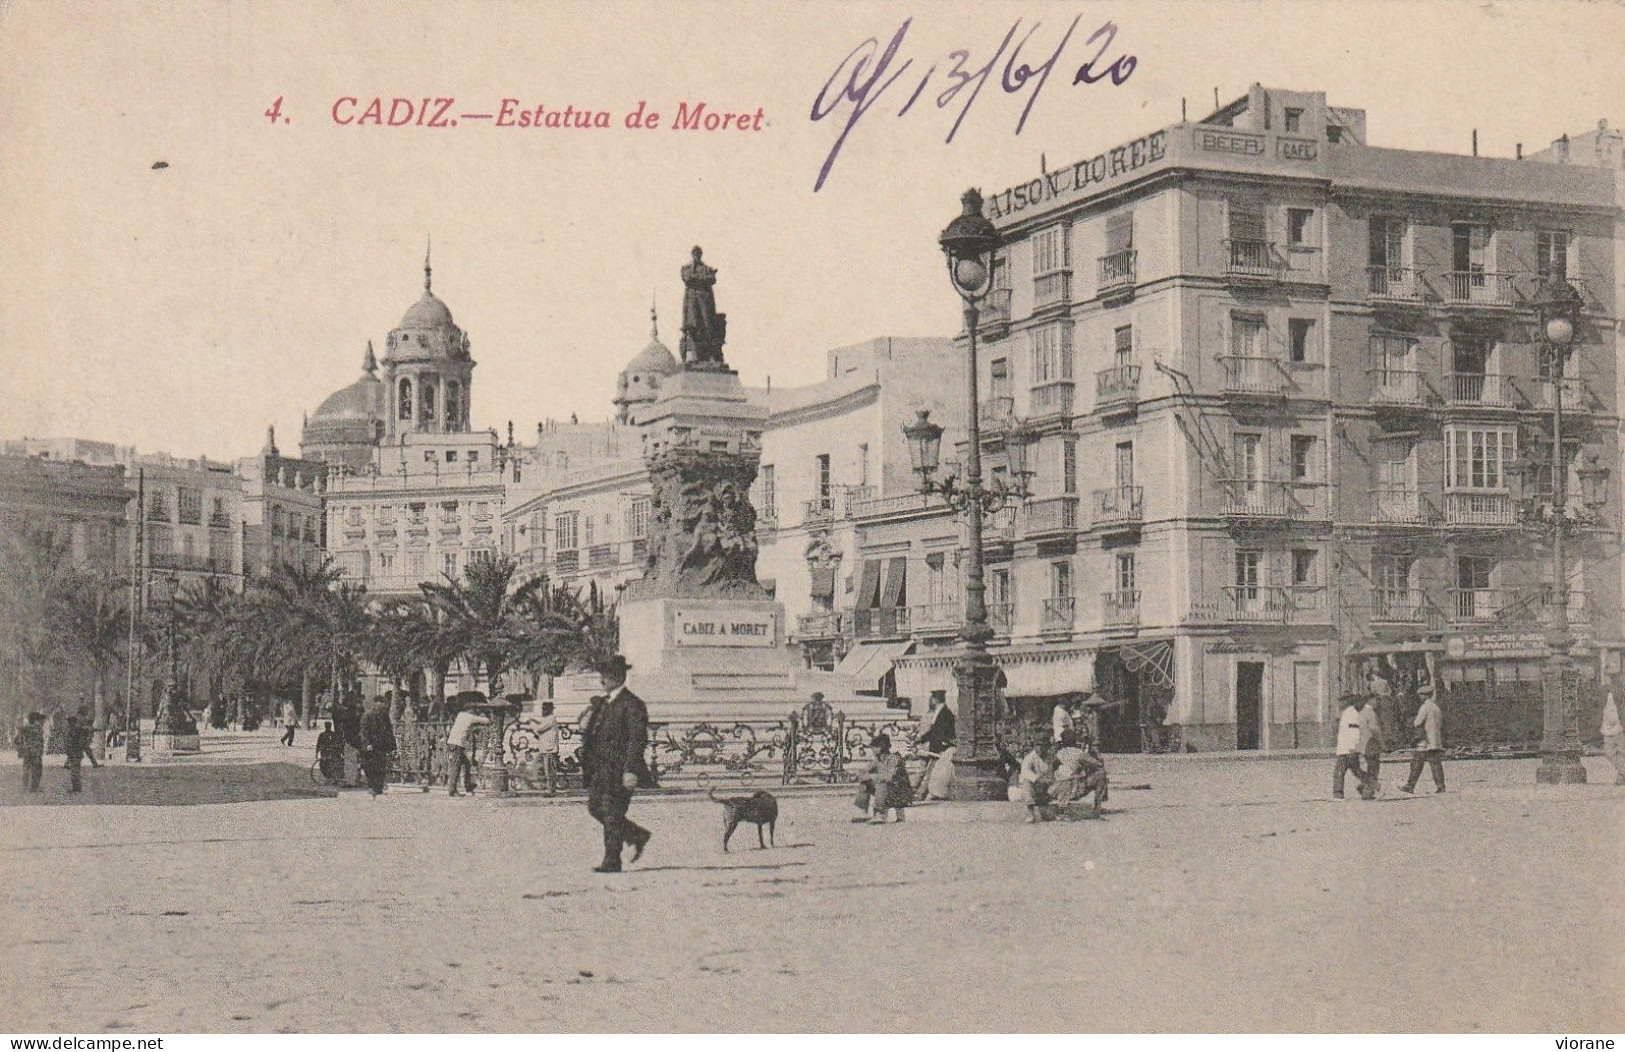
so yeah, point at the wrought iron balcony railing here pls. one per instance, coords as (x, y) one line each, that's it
(996, 413)
(1250, 258)
(1401, 606)
(1118, 505)
(1121, 608)
(1395, 284)
(1248, 375)
(1263, 499)
(1052, 515)
(1000, 616)
(1478, 389)
(1397, 387)
(1473, 508)
(1115, 270)
(1480, 288)
(936, 617)
(1401, 506)
(1058, 613)
(1117, 387)
(1480, 604)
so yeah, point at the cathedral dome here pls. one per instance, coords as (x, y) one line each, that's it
(640, 381)
(655, 359)
(362, 400)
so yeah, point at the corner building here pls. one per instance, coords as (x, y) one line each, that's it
(1278, 376)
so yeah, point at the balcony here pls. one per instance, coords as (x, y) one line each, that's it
(1114, 272)
(880, 621)
(936, 618)
(1263, 604)
(1052, 399)
(1052, 289)
(1474, 508)
(1401, 606)
(1398, 388)
(1000, 616)
(1052, 515)
(1000, 527)
(1251, 259)
(1121, 609)
(1576, 395)
(1401, 506)
(896, 504)
(1266, 499)
(1058, 614)
(839, 503)
(567, 561)
(1478, 605)
(1394, 285)
(995, 414)
(1117, 389)
(826, 624)
(1253, 377)
(600, 555)
(1489, 390)
(1480, 288)
(1118, 507)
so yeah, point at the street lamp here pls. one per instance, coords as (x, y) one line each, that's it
(969, 243)
(1557, 310)
(172, 726)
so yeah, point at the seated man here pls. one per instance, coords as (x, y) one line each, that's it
(1079, 770)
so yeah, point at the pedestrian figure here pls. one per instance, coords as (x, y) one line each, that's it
(613, 756)
(460, 743)
(1062, 721)
(1374, 739)
(289, 722)
(1613, 739)
(329, 753)
(1349, 746)
(1079, 770)
(937, 738)
(30, 742)
(547, 748)
(1037, 775)
(884, 785)
(76, 743)
(377, 745)
(1430, 743)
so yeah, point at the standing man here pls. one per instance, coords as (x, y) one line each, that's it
(1430, 743)
(1373, 740)
(76, 743)
(30, 742)
(377, 745)
(547, 747)
(613, 757)
(290, 722)
(1613, 738)
(1349, 727)
(460, 742)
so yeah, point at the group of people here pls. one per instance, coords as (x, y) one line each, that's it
(29, 742)
(368, 735)
(1362, 738)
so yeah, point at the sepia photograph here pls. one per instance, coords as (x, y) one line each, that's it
(1051, 517)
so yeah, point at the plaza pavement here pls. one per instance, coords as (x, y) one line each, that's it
(1227, 896)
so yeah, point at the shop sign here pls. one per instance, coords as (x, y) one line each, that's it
(1496, 646)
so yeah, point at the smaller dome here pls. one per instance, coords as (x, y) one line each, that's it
(656, 359)
(427, 313)
(362, 400)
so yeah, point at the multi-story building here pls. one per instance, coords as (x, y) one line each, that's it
(1274, 377)
(282, 516)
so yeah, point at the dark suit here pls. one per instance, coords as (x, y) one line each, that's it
(377, 745)
(613, 746)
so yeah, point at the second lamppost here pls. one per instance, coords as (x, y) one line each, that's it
(969, 243)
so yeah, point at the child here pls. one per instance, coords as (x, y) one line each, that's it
(885, 783)
(1036, 776)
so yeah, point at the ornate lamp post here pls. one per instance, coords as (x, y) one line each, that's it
(172, 727)
(1558, 308)
(969, 243)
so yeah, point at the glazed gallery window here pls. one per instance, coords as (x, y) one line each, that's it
(770, 494)
(1552, 254)
(1049, 251)
(1477, 458)
(1052, 355)
(637, 519)
(564, 532)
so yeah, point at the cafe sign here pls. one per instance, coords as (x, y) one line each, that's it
(1085, 176)
(1496, 646)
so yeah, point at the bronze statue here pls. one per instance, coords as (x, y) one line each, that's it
(704, 330)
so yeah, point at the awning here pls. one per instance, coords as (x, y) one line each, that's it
(868, 662)
(1409, 646)
(1043, 676)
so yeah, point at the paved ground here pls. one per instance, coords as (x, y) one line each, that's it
(1228, 896)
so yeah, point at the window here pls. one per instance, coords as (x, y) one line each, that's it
(1049, 251)
(448, 564)
(823, 476)
(1294, 119)
(451, 456)
(1247, 452)
(1300, 333)
(1392, 572)
(190, 504)
(1477, 458)
(160, 541)
(386, 562)
(1552, 254)
(1304, 566)
(217, 513)
(1297, 226)
(1247, 563)
(1470, 249)
(863, 463)
(1120, 233)
(770, 494)
(405, 399)
(589, 537)
(1125, 572)
(1123, 345)
(1303, 458)
(473, 456)
(1471, 355)
(999, 591)
(1386, 242)
(1123, 465)
(999, 378)
(1247, 335)
(637, 519)
(426, 401)
(277, 519)
(453, 405)
(480, 556)
(564, 531)
(1069, 465)
(310, 528)
(417, 512)
(1060, 579)
(157, 506)
(428, 456)
(1246, 224)
(938, 585)
(1052, 355)
(1392, 358)
(1473, 572)
(415, 562)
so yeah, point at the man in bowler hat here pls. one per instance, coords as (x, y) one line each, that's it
(613, 758)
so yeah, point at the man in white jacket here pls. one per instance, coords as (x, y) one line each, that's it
(1350, 743)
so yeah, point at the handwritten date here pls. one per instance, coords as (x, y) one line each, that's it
(869, 73)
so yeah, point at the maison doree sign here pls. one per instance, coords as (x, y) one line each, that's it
(717, 626)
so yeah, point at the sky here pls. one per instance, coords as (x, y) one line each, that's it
(183, 308)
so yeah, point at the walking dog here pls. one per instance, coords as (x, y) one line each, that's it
(760, 808)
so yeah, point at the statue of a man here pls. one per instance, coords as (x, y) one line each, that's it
(704, 330)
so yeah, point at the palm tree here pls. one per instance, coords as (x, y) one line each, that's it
(550, 632)
(318, 626)
(36, 579)
(94, 622)
(484, 611)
